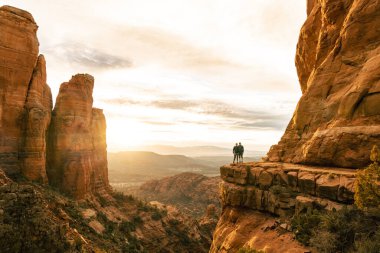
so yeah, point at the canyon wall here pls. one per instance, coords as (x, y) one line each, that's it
(337, 120)
(72, 136)
(333, 129)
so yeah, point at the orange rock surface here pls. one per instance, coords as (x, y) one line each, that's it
(19, 52)
(77, 147)
(77, 162)
(337, 120)
(36, 121)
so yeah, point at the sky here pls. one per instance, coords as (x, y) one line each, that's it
(176, 72)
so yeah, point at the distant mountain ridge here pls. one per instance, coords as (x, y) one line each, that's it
(143, 165)
(195, 151)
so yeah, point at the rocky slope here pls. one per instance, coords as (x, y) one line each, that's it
(192, 195)
(334, 127)
(190, 192)
(66, 149)
(337, 120)
(34, 218)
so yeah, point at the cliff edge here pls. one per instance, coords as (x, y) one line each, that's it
(333, 129)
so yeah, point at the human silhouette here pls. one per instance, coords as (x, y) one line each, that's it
(235, 152)
(240, 149)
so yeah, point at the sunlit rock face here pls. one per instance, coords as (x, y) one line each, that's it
(76, 150)
(36, 121)
(25, 98)
(77, 161)
(337, 120)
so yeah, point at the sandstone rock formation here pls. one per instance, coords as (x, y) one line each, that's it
(282, 189)
(36, 119)
(275, 189)
(77, 160)
(77, 146)
(241, 228)
(19, 52)
(337, 120)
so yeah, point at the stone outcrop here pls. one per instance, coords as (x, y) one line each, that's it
(337, 120)
(241, 228)
(19, 53)
(253, 194)
(283, 189)
(77, 147)
(77, 160)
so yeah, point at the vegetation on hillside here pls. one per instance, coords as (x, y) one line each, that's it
(367, 187)
(351, 229)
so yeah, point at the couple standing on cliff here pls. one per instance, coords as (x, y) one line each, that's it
(238, 151)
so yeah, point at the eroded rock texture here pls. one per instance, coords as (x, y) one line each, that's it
(77, 161)
(253, 193)
(36, 121)
(25, 98)
(337, 120)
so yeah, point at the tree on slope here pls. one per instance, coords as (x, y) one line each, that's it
(367, 186)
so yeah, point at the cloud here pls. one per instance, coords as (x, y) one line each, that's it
(77, 53)
(228, 115)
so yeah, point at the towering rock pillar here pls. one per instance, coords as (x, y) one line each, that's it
(24, 96)
(77, 161)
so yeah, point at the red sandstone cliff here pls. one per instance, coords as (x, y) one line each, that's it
(337, 120)
(77, 147)
(19, 53)
(336, 123)
(77, 162)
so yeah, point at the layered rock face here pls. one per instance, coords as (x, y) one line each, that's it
(77, 144)
(36, 119)
(252, 194)
(284, 189)
(77, 161)
(19, 52)
(25, 98)
(337, 120)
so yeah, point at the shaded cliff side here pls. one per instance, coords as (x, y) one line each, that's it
(337, 120)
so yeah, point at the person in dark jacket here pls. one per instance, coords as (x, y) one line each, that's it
(240, 149)
(236, 154)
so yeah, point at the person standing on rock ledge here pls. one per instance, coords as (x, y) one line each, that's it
(236, 153)
(240, 150)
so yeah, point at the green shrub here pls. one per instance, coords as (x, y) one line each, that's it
(367, 185)
(127, 227)
(304, 225)
(369, 244)
(338, 231)
(156, 215)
